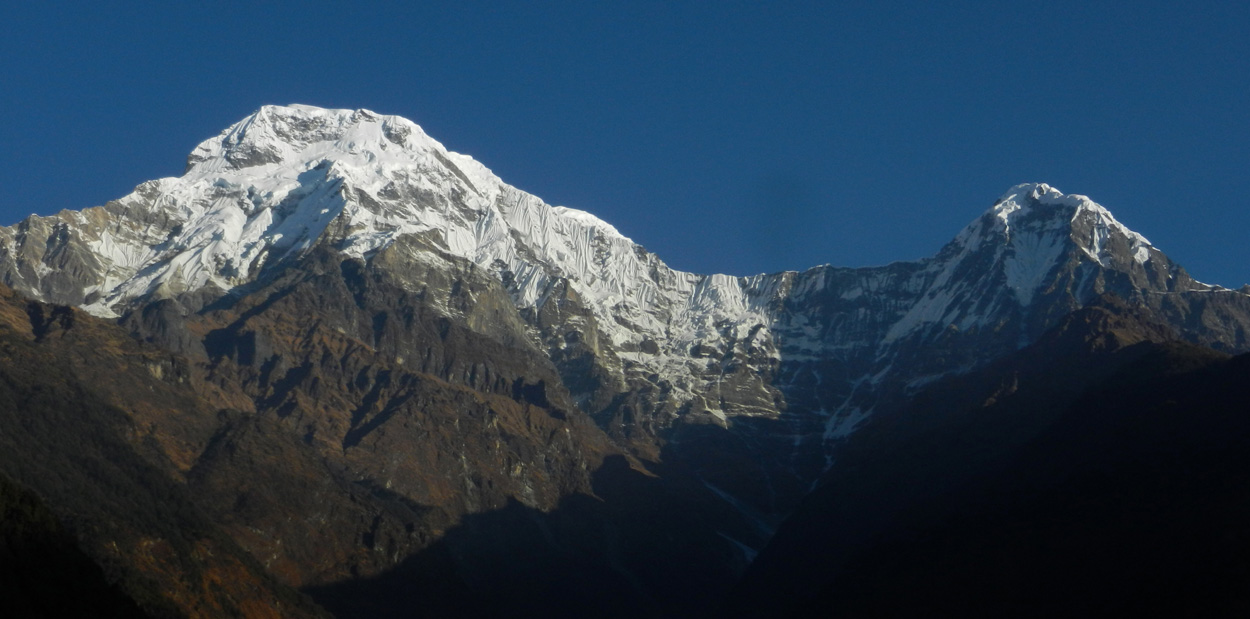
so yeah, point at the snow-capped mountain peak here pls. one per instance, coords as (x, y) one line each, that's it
(1021, 202)
(288, 178)
(273, 183)
(1031, 242)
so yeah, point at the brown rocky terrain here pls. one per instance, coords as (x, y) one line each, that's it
(102, 428)
(291, 434)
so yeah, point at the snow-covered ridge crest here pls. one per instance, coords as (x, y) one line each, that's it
(275, 181)
(288, 177)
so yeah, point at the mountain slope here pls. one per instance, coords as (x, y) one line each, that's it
(100, 426)
(301, 436)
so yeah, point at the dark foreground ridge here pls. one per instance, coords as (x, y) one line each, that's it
(1097, 473)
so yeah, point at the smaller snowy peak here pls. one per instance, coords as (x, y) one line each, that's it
(1040, 207)
(1021, 198)
(1013, 253)
(1030, 201)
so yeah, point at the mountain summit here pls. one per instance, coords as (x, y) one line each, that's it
(795, 359)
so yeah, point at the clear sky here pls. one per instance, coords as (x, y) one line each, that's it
(724, 136)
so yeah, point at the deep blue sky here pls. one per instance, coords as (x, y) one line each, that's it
(730, 137)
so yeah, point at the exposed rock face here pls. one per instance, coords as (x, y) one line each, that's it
(331, 461)
(427, 395)
(402, 340)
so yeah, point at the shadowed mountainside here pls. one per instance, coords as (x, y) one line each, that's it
(43, 573)
(1096, 472)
